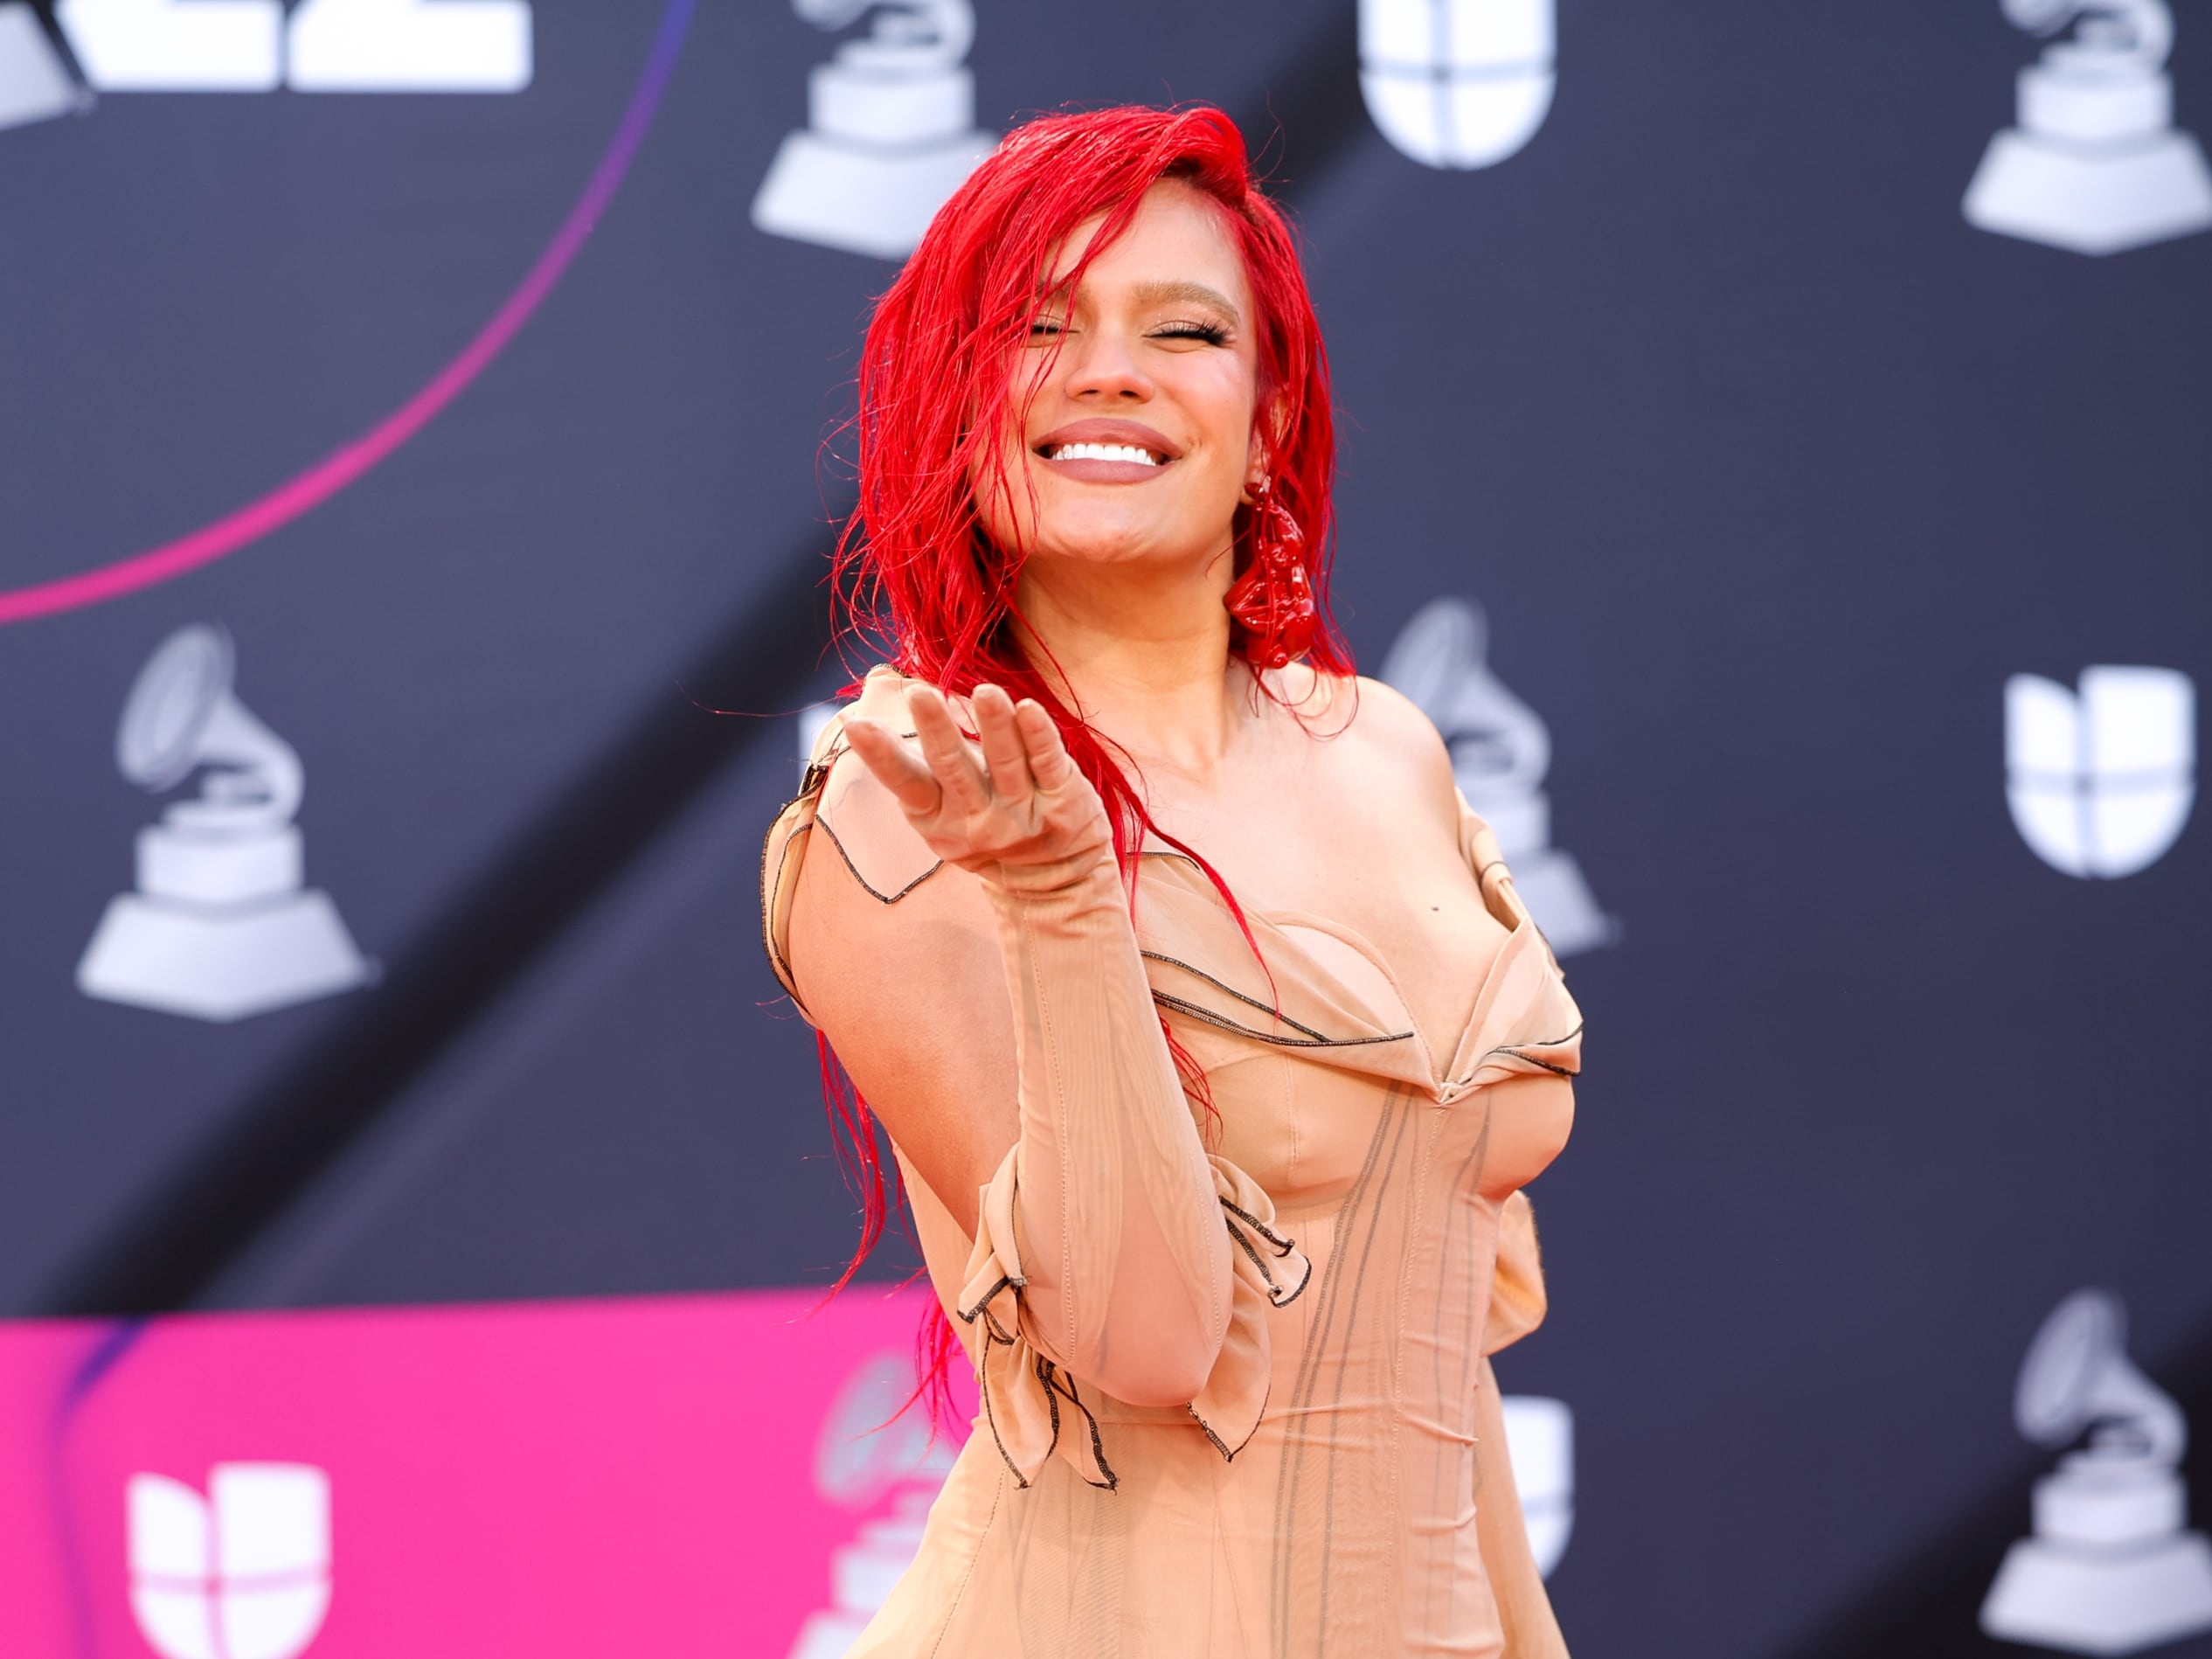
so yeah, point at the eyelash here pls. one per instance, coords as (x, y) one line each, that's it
(1211, 333)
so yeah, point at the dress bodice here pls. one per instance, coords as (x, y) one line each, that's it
(1339, 1518)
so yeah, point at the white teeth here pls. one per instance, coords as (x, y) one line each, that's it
(1103, 451)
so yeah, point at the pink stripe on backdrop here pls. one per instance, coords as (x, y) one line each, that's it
(567, 1481)
(327, 476)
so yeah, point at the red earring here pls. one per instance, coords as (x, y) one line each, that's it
(1272, 601)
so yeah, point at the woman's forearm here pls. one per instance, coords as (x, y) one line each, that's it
(1123, 1251)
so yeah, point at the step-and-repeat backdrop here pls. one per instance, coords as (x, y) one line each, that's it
(1778, 452)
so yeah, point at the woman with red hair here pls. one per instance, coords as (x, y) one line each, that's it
(1212, 1039)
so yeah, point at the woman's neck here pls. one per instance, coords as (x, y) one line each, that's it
(1142, 656)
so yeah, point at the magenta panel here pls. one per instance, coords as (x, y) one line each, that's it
(671, 1475)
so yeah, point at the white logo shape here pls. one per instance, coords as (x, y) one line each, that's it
(869, 1447)
(1540, 1441)
(2101, 784)
(243, 1574)
(35, 83)
(891, 131)
(2095, 165)
(2111, 1569)
(220, 927)
(1457, 83)
(325, 46)
(1500, 753)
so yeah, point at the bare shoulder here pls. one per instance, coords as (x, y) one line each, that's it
(1392, 723)
(1375, 745)
(1381, 736)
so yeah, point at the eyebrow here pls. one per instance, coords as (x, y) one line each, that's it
(1172, 293)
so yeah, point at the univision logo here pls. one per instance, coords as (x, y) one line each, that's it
(2100, 782)
(243, 1574)
(1457, 83)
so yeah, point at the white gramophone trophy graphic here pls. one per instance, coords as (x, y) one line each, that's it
(241, 1574)
(2111, 1567)
(1457, 83)
(868, 1447)
(2101, 783)
(1501, 752)
(890, 129)
(220, 926)
(2095, 165)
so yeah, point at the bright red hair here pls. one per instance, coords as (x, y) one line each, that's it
(935, 390)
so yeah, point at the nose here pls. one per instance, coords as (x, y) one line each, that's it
(1100, 368)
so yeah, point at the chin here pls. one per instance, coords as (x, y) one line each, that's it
(1104, 544)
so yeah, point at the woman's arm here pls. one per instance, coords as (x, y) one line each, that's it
(1524, 1609)
(1013, 1012)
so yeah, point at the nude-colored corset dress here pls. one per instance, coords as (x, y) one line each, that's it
(1316, 1500)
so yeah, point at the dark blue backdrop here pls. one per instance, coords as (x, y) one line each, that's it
(1767, 467)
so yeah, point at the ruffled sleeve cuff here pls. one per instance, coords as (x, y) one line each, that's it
(1035, 1409)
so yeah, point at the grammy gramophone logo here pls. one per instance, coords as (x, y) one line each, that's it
(221, 924)
(2094, 164)
(871, 1449)
(890, 129)
(1500, 751)
(2111, 1566)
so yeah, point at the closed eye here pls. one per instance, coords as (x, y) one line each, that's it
(1211, 333)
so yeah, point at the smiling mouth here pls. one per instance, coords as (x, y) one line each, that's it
(1134, 453)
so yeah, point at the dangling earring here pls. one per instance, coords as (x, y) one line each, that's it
(1272, 601)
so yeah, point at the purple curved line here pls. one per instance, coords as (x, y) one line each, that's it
(341, 467)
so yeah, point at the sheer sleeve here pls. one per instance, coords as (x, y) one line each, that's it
(1112, 1251)
(1110, 1246)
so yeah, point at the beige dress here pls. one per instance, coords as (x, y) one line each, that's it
(1318, 1495)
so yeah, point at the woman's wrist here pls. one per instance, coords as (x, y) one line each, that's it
(1055, 878)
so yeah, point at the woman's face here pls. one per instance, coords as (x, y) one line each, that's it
(1137, 443)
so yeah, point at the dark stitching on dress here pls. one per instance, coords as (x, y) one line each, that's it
(1052, 1376)
(1231, 990)
(1006, 1281)
(1520, 1051)
(1284, 1247)
(1367, 1253)
(823, 824)
(991, 1416)
(771, 891)
(1228, 1456)
(1281, 1586)
(1040, 1364)
(1276, 1294)
(1211, 1019)
(1461, 1184)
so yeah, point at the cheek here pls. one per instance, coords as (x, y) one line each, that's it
(1221, 398)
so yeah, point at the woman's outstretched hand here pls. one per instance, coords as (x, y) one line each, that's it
(1024, 804)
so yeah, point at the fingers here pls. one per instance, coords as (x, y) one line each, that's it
(1049, 763)
(966, 790)
(1005, 755)
(896, 767)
